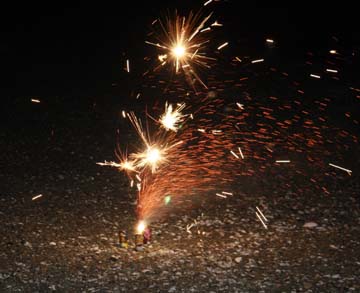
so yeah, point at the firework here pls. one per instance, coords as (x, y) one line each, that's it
(171, 118)
(182, 44)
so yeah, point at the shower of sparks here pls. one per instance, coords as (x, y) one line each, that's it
(341, 168)
(222, 45)
(171, 119)
(177, 157)
(182, 44)
(37, 196)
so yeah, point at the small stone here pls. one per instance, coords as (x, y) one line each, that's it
(307, 285)
(310, 225)
(139, 248)
(28, 244)
(113, 258)
(238, 259)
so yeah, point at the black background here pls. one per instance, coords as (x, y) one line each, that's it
(58, 48)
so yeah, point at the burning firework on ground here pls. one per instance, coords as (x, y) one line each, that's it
(223, 139)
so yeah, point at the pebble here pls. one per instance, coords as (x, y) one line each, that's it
(310, 225)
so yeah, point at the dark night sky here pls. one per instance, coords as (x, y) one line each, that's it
(58, 48)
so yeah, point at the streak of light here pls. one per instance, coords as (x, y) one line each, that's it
(112, 164)
(235, 155)
(341, 168)
(123, 113)
(207, 2)
(205, 29)
(216, 131)
(241, 153)
(257, 61)
(241, 106)
(262, 215)
(315, 76)
(333, 52)
(127, 65)
(282, 161)
(270, 150)
(35, 100)
(188, 227)
(221, 195)
(331, 70)
(261, 220)
(216, 23)
(270, 41)
(227, 193)
(238, 59)
(37, 196)
(223, 45)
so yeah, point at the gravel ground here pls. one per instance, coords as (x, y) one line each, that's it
(67, 240)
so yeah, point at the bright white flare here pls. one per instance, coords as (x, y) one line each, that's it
(178, 51)
(151, 157)
(140, 227)
(171, 118)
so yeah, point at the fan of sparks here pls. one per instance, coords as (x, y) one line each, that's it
(155, 149)
(182, 43)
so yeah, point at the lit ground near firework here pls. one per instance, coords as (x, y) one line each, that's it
(66, 240)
